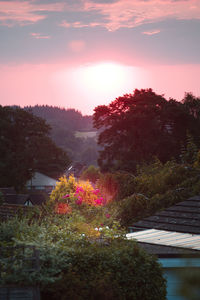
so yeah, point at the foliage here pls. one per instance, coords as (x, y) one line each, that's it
(192, 104)
(92, 174)
(155, 186)
(25, 147)
(1, 198)
(85, 205)
(65, 118)
(130, 124)
(197, 161)
(189, 152)
(108, 185)
(73, 267)
(63, 186)
(65, 123)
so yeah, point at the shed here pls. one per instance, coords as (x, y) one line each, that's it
(40, 181)
(173, 235)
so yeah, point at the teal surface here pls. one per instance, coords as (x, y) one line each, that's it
(173, 267)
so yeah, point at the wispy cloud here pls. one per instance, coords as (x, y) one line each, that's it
(78, 24)
(132, 13)
(40, 36)
(151, 32)
(25, 12)
(111, 14)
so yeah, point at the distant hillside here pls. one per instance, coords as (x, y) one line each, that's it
(70, 119)
(71, 131)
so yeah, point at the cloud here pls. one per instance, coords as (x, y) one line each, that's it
(132, 13)
(78, 24)
(25, 12)
(39, 36)
(111, 14)
(151, 32)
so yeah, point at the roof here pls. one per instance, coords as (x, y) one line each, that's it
(19, 199)
(40, 179)
(37, 199)
(182, 217)
(167, 238)
(6, 191)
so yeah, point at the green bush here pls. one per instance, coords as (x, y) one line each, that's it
(74, 267)
(155, 186)
(92, 174)
(132, 209)
(119, 270)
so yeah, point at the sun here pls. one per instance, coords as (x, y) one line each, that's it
(105, 76)
(98, 83)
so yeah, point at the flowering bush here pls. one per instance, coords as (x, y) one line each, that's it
(84, 206)
(81, 192)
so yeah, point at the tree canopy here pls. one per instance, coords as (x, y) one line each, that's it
(136, 127)
(25, 147)
(69, 130)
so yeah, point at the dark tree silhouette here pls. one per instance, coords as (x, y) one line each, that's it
(139, 126)
(25, 147)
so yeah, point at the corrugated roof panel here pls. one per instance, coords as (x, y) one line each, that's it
(167, 238)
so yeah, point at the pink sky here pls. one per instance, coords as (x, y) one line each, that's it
(48, 50)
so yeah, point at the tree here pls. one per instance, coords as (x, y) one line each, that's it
(136, 127)
(25, 147)
(192, 103)
(92, 174)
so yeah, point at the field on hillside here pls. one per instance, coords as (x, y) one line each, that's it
(85, 134)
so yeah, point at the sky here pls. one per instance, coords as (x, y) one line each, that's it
(84, 53)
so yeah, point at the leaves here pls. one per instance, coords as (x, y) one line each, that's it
(25, 147)
(139, 126)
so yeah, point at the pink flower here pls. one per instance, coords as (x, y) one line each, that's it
(96, 191)
(107, 216)
(79, 189)
(79, 201)
(98, 201)
(66, 196)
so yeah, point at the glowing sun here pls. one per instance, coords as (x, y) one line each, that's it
(107, 76)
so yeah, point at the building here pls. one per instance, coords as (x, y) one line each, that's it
(173, 235)
(40, 181)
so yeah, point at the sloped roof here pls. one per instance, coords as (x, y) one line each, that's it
(182, 217)
(6, 191)
(40, 179)
(19, 199)
(167, 238)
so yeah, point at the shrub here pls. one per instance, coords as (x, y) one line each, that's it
(132, 209)
(119, 270)
(92, 174)
(75, 267)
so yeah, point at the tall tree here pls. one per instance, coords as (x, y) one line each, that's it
(141, 125)
(25, 147)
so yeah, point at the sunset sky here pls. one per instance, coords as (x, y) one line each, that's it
(83, 53)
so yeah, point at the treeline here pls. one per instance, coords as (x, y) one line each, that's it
(65, 123)
(69, 119)
(138, 127)
(25, 147)
(150, 157)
